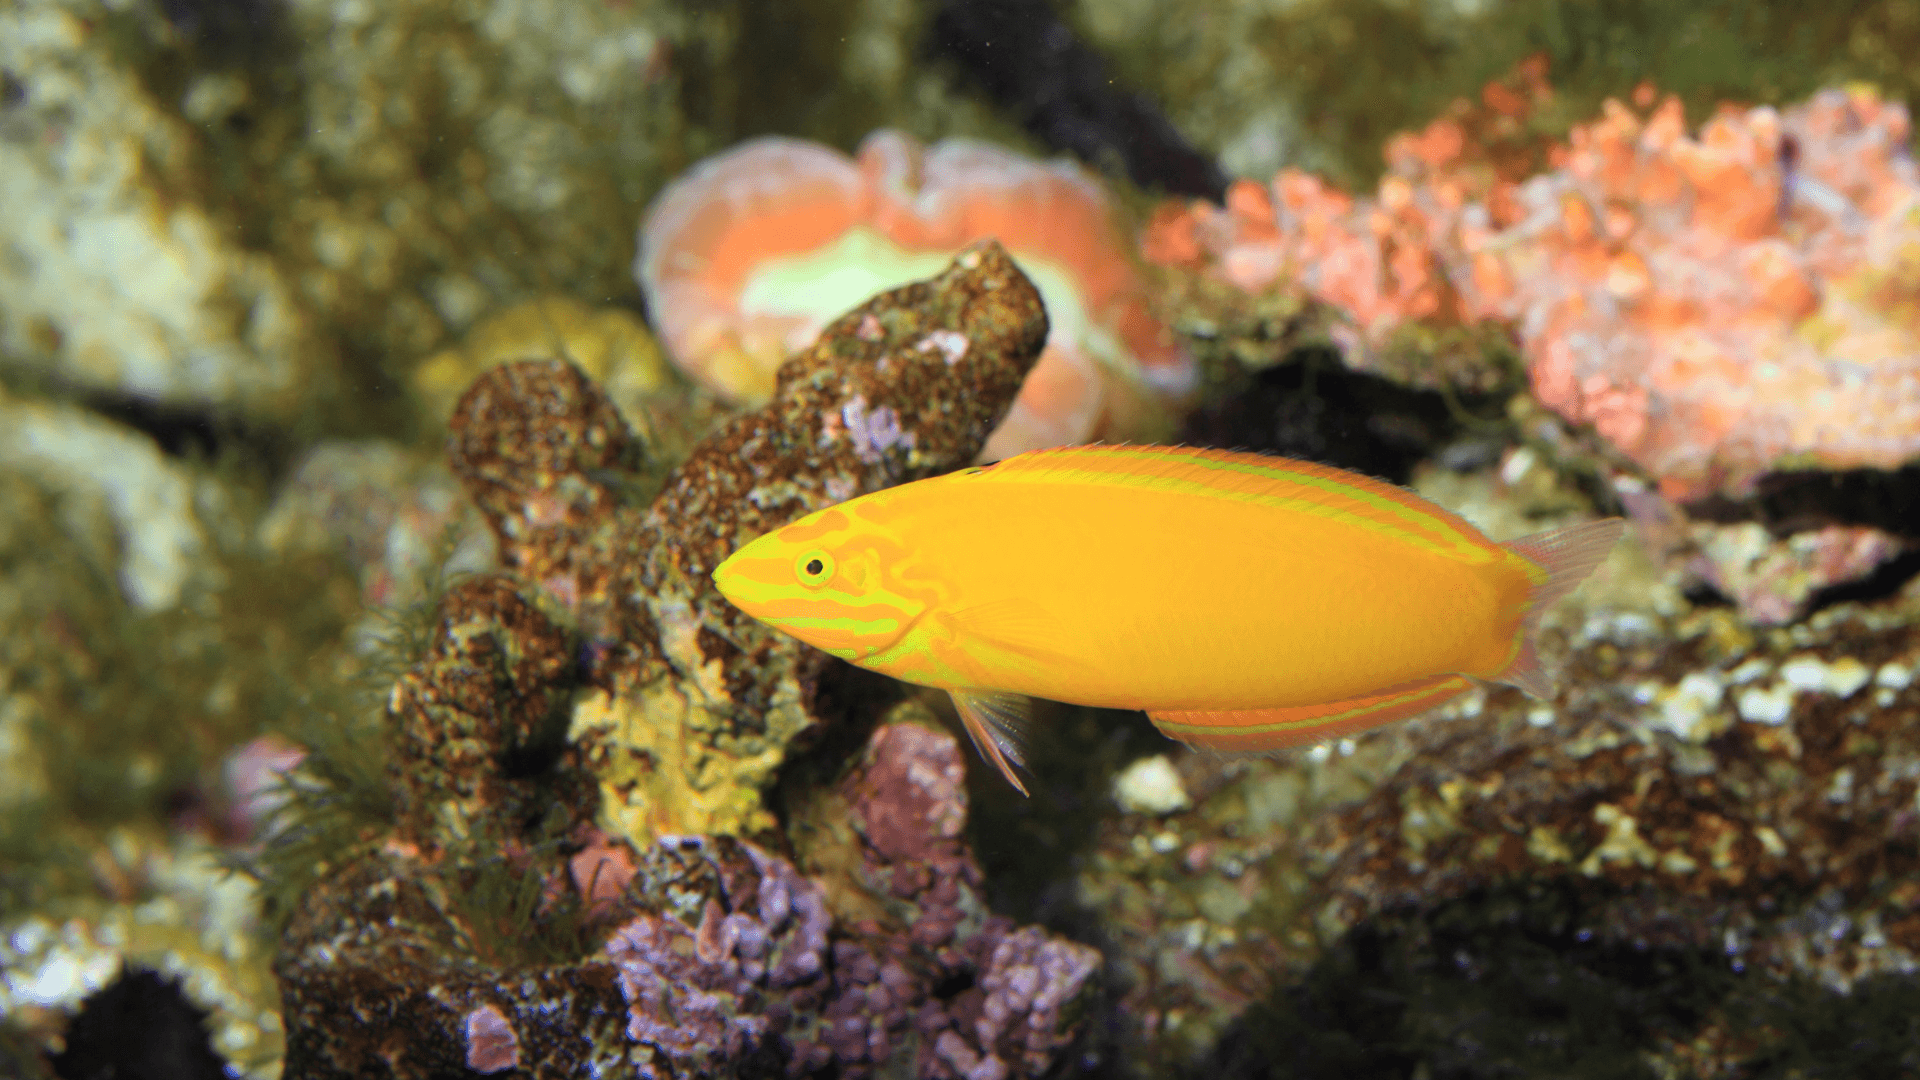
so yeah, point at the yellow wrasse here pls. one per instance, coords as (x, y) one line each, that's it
(1244, 602)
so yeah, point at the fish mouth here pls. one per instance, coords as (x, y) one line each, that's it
(736, 587)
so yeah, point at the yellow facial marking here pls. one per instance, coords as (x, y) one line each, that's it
(825, 580)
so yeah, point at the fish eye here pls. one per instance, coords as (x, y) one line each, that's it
(814, 568)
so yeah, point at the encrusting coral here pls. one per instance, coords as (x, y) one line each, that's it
(1723, 305)
(582, 873)
(1717, 306)
(745, 257)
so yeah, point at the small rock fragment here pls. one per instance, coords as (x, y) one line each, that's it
(491, 1044)
(1150, 786)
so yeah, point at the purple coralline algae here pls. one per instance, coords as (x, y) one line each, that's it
(491, 1044)
(907, 807)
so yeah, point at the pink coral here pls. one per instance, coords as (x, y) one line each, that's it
(1720, 305)
(1372, 260)
(1386, 261)
(746, 257)
(755, 965)
(1716, 305)
(695, 995)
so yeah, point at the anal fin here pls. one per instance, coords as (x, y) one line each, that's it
(1261, 730)
(994, 719)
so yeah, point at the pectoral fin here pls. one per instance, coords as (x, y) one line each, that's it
(1260, 730)
(994, 719)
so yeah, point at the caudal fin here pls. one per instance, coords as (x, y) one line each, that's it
(1568, 556)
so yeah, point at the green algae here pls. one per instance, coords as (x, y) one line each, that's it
(124, 714)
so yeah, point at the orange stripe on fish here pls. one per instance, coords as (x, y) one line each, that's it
(1245, 602)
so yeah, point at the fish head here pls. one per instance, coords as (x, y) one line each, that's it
(827, 579)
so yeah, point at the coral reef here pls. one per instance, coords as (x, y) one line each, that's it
(581, 873)
(748, 255)
(355, 532)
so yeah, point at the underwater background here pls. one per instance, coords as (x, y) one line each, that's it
(380, 381)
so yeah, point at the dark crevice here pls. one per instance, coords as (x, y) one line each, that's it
(182, 431)
(232, 33)
(1886, 580)
(1790, 502)
(1033, 65)
(1702, 594)
(954, 985)
(1558, 979)
(1316, 409)
(139, 1027)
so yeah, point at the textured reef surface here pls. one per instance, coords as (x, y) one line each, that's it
(583, 872)
(366, 709)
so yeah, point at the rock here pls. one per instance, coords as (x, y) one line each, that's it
(606, 894)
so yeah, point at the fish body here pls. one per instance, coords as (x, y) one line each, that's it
(1244, 602)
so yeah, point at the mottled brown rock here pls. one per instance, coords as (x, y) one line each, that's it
(488, 700)
(378, 981)
(878, 400)
(1699, 786)
(905, 386)
(537, 446)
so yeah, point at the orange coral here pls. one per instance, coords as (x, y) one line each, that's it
(1390, 259)
(1715, 305)
(746, 257)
